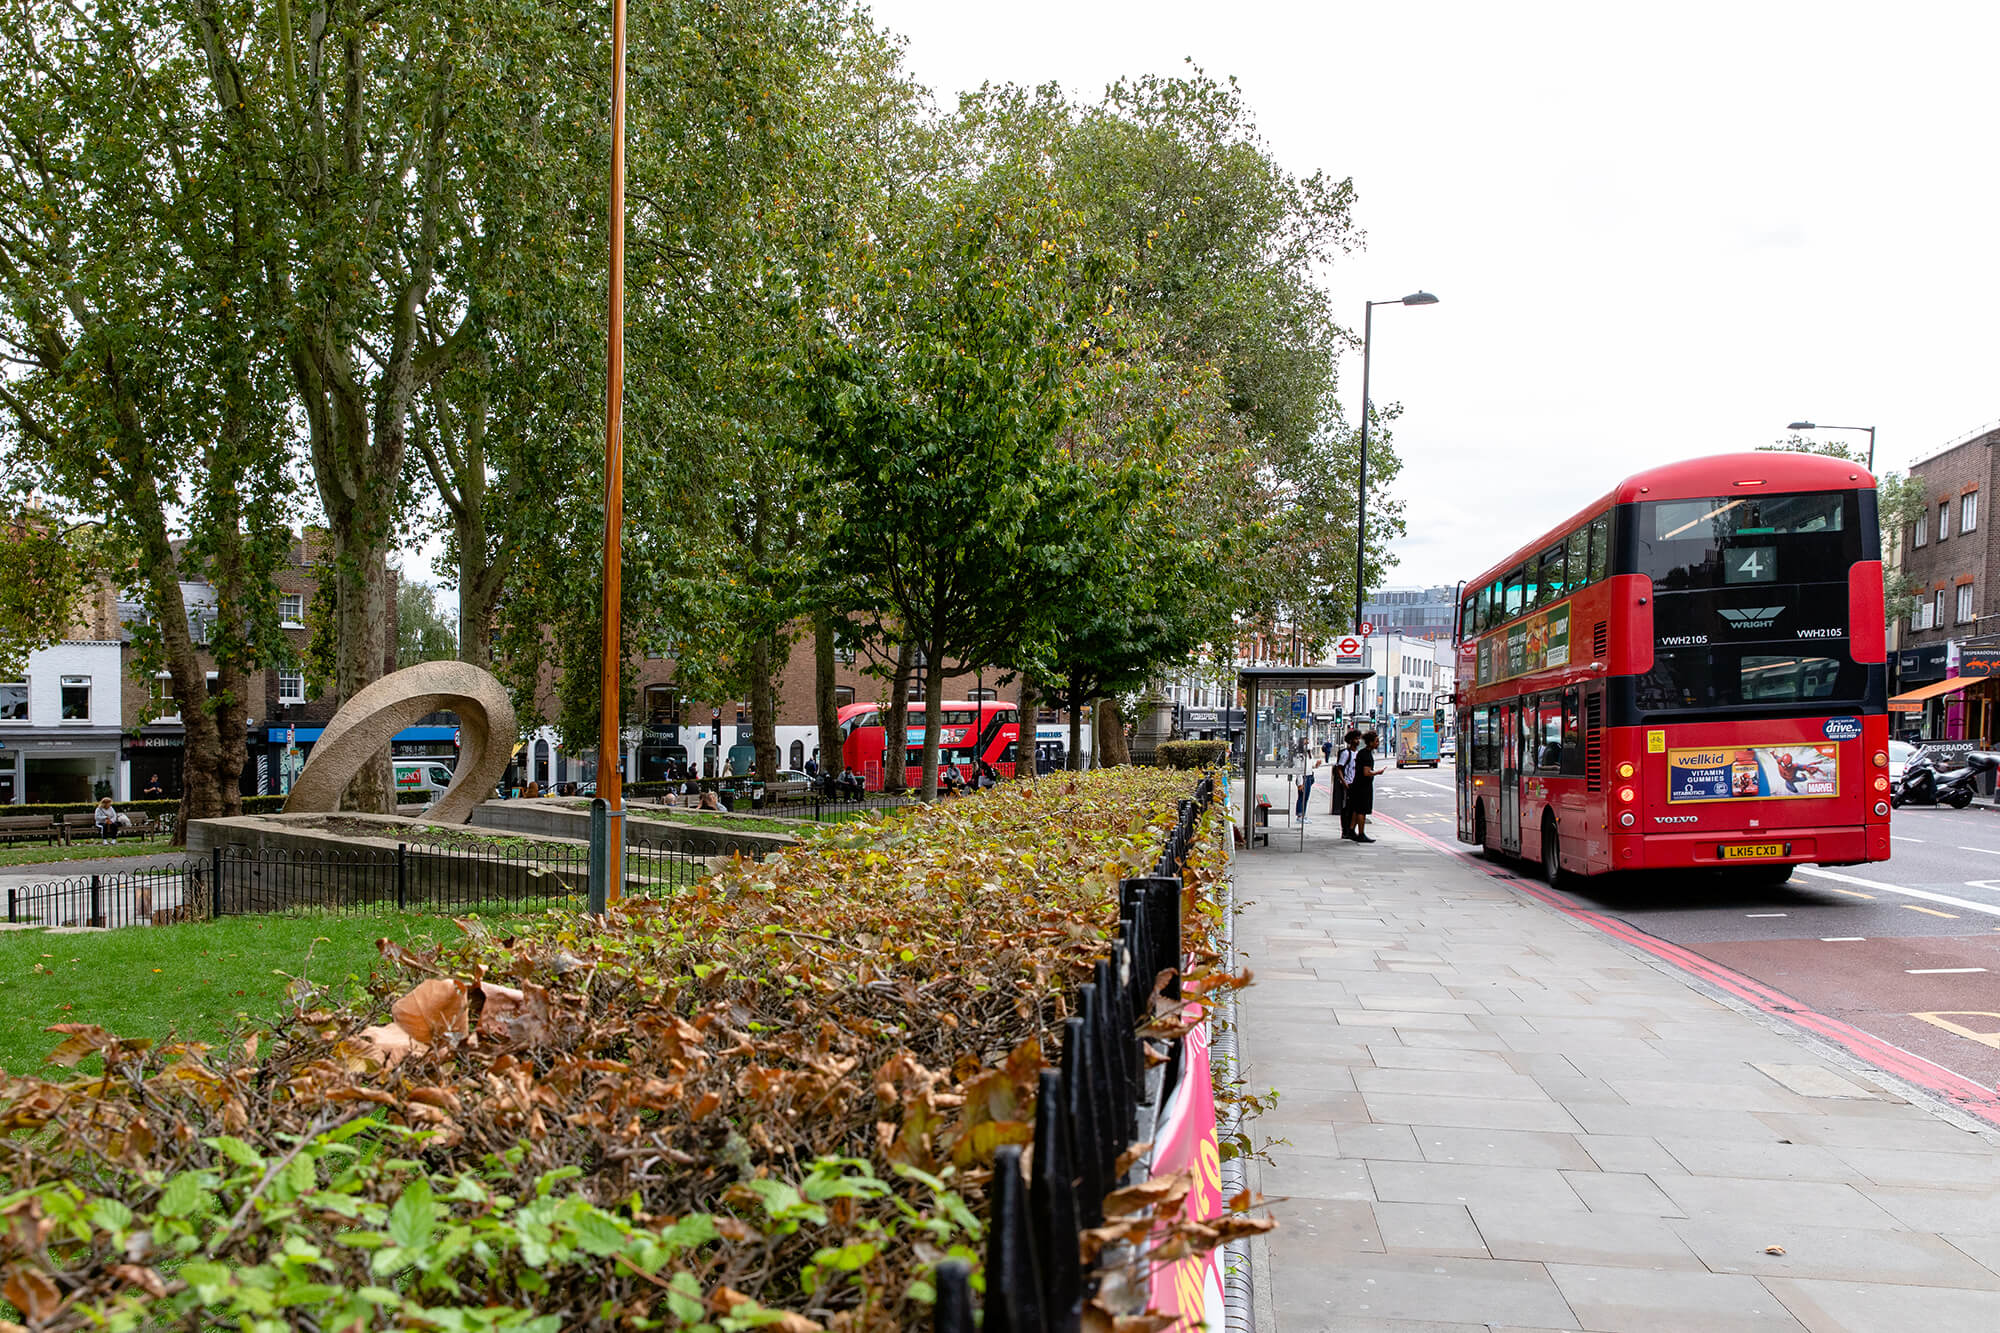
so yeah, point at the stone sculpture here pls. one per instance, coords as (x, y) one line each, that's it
(362, 728)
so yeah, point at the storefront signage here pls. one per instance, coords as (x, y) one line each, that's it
(1980, 662)
(1753, 772)
(1535, 644)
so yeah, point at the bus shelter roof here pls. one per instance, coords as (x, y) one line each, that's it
(1321, 677)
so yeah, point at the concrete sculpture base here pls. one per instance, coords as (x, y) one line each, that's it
(363, 726)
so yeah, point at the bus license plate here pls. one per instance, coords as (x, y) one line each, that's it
(1753, 851)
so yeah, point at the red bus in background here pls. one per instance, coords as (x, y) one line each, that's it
(1689, 672)
(967, 731)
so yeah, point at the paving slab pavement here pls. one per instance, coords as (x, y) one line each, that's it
(1492, 1116)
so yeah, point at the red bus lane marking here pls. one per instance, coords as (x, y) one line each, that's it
(1969, 1096)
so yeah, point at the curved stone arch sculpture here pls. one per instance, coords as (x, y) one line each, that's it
(364, 725)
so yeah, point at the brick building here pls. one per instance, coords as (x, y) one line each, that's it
(1941, 683)
(281, 721)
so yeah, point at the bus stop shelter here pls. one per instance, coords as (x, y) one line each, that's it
(1290, 680)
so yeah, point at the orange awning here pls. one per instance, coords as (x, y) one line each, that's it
(1909, 701)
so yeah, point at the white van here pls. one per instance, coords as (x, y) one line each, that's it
(421, 779)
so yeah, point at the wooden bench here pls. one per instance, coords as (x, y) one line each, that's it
(26, 828)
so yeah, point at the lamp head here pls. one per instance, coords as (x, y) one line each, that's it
(1802, 425)
(1420, 298)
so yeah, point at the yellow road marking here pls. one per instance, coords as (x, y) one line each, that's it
(1855, 893)
(1989, 1035)
(1930, 911)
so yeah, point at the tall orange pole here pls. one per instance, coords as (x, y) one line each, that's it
(610, 738)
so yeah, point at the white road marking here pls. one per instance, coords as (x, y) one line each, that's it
(1939, 971)
(1758, 914)
(1990, 851)
(1925, 894)
(1897, 837)
(1849, 939)
(1427, 783)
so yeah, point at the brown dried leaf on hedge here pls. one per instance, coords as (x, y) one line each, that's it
(890, 993)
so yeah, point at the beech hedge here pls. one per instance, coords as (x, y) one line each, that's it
(770, 1101)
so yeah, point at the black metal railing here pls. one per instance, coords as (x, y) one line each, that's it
(1089, 1112)
(411, 877)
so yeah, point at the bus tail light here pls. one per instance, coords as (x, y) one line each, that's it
(1628, 819)
(1625, 770)
(1881, 783)
(1881, 808)
(1627, 795)
(1881, 759)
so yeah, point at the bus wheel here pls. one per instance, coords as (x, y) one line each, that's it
(1551, 852)
(1479, 827)
(1765, 876)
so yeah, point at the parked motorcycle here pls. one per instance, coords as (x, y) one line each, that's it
(1922, 784)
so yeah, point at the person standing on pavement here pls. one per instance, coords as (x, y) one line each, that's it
(1306, 787)
(1343, 782)
(1361, 795)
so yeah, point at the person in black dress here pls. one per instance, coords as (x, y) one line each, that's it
(1361, 796)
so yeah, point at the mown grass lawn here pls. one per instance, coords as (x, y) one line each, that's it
(82, 850)
(197, 981)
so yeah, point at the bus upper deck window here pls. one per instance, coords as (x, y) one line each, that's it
(1515, 602)
(1578, 557)
(1600, 546)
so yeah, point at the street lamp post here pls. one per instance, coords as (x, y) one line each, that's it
(1361, 499)
(1807, 425)
(1361, 502)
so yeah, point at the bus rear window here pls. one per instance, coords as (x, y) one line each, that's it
(1729, 540)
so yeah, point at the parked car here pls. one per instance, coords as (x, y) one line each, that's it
(788, 784)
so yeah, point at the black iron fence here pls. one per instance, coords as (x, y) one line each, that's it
(1089, 1112)
(411, 877)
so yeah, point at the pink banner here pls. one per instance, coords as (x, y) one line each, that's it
(1184, 1141)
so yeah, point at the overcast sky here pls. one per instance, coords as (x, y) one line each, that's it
(1654, 231)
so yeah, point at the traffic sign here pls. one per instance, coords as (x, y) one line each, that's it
(1348, 647)
(1367, 628)
(1299, 704)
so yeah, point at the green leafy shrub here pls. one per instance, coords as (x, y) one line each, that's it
(252, 805)
(1192, 754)
(771, 1100)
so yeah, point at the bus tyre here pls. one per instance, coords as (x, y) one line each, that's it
(1767, 876)
(1479, 826)
(1551, 853)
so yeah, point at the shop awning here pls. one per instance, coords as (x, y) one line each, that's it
(1912, 700)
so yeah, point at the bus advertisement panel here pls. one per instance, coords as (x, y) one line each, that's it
(1688, 673)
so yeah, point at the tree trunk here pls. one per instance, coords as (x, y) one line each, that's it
(933, 717)
(826, 705)
(1024, 740)
(365, 623)
(763, 707)
(1111, 748)
(895, 723)
(1074, 761)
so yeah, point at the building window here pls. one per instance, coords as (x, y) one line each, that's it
(978, 695)
(165, 707)
(1968, 512)
(1920, 531)
(843, 695)
(1944, 519)
(1965, 604)
(1937, 610)
(1920, 618)
(291, 687)
(76, 698)
(292, 610)
(14, 701)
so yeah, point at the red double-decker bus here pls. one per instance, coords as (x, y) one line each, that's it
(967, 731)
(1689, 672)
